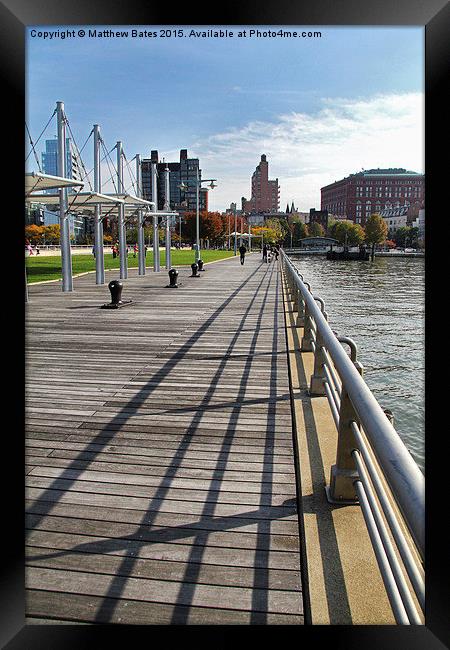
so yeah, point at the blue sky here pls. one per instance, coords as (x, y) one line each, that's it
(318, 108)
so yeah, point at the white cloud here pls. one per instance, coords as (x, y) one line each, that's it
(308, 151)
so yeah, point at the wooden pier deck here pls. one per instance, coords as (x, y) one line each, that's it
(160, 471)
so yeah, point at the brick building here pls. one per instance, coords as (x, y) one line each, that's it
(265, 193)
(320, 217)
(359, 195)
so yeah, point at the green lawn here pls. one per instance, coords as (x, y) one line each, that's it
(40, 268)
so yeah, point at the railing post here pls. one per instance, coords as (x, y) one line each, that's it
(307, 339)
(344, 472)
(300, 322)
(316, 386)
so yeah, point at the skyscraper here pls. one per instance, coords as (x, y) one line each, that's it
(265, 192)
(50, 161)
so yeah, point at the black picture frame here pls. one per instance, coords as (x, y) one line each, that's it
(15, 16)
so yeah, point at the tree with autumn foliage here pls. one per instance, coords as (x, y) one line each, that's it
(268, 235)
(34, 234)
(212, 227)
(376, 231)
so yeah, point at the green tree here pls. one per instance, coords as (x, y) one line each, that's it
(316, 229)
(279, 226)
(406, 236)
(376, 231)
(347, 232)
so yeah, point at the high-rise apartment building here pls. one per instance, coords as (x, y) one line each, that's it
(183, 172)
(359, 195)
(49, 159)
(265, 193)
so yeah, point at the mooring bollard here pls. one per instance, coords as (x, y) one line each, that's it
(200, 265)
(173, 275)
(115, 287)
(194, 268)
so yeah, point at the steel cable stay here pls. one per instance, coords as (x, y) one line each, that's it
(78, 151)
(40, 136)
(132, 177)
(102, 159)
(33, 150)
(107, 155)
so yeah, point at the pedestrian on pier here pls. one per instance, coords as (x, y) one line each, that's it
(242, 251)
(264, 251)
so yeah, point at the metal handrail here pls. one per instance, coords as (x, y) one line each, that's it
(354, 407)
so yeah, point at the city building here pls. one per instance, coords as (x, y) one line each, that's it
(182, 172)
(319, 216)
(265, 193)
(233, 210)
(38, 214)
(359, 195)
(49, 159)
(404, 216)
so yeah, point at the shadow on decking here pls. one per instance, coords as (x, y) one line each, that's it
(180, 612)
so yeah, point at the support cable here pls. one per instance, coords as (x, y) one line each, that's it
(109, 168)
(132, 177)
(79, 153)
(42, 132)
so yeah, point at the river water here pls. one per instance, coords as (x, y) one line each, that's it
(381, 306)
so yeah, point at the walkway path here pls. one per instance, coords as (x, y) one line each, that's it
(160, 471)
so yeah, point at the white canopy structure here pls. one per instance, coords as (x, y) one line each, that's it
(36, 181)
(80, 202)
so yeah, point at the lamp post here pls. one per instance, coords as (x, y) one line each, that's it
(198, 183)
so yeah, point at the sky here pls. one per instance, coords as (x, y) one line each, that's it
(319, 108)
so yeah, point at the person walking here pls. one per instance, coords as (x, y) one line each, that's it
(135, 250)
(242, 251)
(264, 252)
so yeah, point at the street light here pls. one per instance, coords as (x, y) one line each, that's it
(198, 183)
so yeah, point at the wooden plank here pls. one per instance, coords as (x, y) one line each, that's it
(160, 475)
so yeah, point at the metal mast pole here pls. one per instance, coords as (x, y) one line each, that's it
(249, 236)
(156, 267)
(98, 233)
(141, 220)
(122, 231)
(197, 223)
(167, 208)
(64, 222)
(235, 232)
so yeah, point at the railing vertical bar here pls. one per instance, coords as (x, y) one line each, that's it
(389, 549)
(407, 557)
(386, 573)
